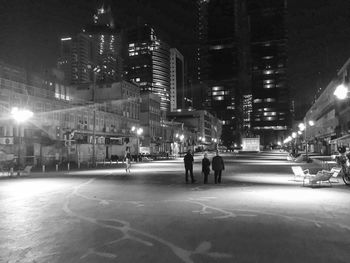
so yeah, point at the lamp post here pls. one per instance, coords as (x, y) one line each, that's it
(138, 132)
(95, 70)
(341, 92)
(303, 127)
(20, 116)
(182, 137)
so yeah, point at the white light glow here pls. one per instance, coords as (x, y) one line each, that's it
(341, 92)
(21, 115)
(139, 131)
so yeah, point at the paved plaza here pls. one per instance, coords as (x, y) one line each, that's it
(258, 214)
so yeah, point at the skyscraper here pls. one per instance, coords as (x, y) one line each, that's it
(75, 58)
(221, 65)
(149, 63)
(177, 82)
(107, 45)
(99, 45)
(270, 117)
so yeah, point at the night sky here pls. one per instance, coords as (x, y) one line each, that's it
(318, 33)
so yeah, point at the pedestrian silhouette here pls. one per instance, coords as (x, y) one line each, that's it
(205, 167)
(188, 161)
(128, 162)
(218, 166)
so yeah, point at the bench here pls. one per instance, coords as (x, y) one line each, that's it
(299, 172)
(322, 176)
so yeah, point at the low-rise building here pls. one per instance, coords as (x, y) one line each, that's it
(205, 129)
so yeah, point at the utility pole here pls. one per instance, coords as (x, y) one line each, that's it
(94, 122)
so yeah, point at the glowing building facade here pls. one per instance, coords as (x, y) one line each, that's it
(221, 68)
(271, 104)
(177, 81)
(97, 47)
(149, 63)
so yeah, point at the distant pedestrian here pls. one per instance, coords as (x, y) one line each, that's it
(205, 167)
(128, 162)
(188, 161)
(218, 166)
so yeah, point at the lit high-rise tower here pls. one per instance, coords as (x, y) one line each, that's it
(222, 69)
(98, 46)
(107, 41)
(271, 105)
(149, 63)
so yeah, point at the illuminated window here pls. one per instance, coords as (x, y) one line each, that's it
(268, 81)
(270, 118)
(219, 98)
(270, 100)
(270, 113)
(267, 72)
(215, 93)
(257, 100)
(216, 88)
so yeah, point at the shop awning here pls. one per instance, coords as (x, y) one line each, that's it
(344, 140)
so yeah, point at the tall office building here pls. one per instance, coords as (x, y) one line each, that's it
(271, 105)
(76, 58)
(177, 81)
(222, 29)
(98, 48)
(149, 63)
(107, 42)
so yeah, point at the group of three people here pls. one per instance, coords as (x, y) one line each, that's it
(217, 165)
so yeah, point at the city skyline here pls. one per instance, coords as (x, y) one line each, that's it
(31, 32)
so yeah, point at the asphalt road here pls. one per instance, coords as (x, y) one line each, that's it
(258, 214)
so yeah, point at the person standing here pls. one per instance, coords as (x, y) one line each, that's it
(128, 162)
(188, 161)
(218, 166)
(205, 167)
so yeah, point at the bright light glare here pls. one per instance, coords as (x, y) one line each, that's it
(311, 123)
(301, 126)
(341, 92)
(21, 115)
(294, 134)
(139, 131)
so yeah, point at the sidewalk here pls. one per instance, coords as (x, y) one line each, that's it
(36, 172)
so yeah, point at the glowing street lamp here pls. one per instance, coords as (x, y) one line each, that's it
(20, 116)
(138, 132)
(303, 127)
(341, 92)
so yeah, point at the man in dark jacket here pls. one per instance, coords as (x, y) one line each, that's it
(218, 166)
(188, 161)
(205, 167)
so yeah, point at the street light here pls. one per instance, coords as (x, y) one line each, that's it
(138, 132)
(20, 116)
(303, 127)
(95, 71)
(341, 92)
